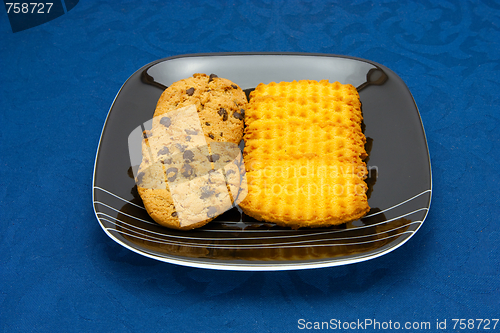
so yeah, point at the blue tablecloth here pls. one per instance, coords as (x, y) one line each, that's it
(60, 272)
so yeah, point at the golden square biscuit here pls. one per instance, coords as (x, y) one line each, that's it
(304, 151)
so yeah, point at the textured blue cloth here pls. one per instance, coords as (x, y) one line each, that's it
(60, 272)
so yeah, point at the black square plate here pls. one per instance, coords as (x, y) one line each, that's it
(400, 182)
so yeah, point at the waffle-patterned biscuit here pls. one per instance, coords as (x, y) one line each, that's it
(184, 182)
(303, 154)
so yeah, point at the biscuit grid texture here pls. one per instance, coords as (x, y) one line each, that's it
(304, 151)
(189, 172)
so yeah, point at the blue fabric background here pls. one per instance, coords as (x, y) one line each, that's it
(60, 272)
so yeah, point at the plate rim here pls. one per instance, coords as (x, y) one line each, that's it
(262, 266)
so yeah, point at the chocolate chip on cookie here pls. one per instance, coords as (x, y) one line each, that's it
(167, 160)
(180, 147)
(237, 115)
(191, 131)
(172, 174)
(213, 157)
(222, 112)
(163, 151)
(206, 192)
(190, 91)
(212, 211)
(140, 176)
(165, 121)
(187, 170)
(188, 155)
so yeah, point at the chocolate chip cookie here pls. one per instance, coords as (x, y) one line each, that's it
(220, 104)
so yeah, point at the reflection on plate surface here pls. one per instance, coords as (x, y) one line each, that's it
(399, 177)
